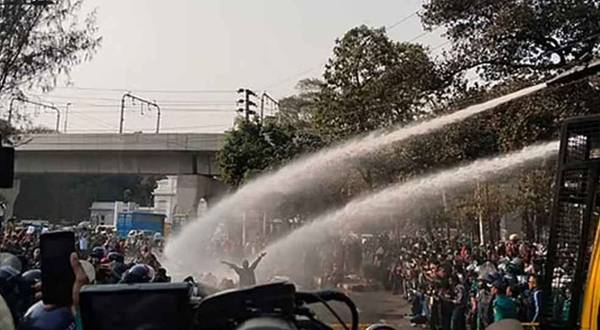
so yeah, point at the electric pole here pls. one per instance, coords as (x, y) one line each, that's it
(143, 101)
(247, 104)
(66, 117)
(39, 104)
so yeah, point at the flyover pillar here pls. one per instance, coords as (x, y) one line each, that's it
(194, 190)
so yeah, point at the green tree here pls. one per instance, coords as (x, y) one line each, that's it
(252, 146)
(39, 43)
(372, 82)
(299, 110)
(534, 199)
(244, 151)
(505, 39)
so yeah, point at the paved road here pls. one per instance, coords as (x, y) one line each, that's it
(374, 307)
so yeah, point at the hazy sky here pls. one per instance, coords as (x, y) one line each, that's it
(164, 50)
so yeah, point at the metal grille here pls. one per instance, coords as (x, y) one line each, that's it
(583, 141)
(576, 147)
(574, 219)
(571, 210)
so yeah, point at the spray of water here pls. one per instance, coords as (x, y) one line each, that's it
(400, 199)
(303, 176)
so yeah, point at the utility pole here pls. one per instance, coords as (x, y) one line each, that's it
(10, 108)
(66, 117)
(446, 217)
(480, 215)
(262, 104)
(246, 103)
(144, 101)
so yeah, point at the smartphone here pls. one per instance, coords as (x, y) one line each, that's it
(57, 274)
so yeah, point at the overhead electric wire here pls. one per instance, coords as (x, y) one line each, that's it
(421, 35)
(193, 106)
(117, 100)
(95, 120)
(441, 45)
(207, 139)
(191, 127)
(294, 76)
(221, 107)
(165, 110)
(158, 91)
(390, 27)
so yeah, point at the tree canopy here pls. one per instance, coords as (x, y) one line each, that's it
(372, 82)
(252, 147)
(39, 43)
(514, 38)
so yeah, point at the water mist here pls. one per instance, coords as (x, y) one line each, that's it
(188, 250)
(401, 199)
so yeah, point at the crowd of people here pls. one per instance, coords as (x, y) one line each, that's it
(104, 257)
(455, 285)
(451, 283)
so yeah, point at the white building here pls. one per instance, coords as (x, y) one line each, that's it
(165, 197)
(106, 213)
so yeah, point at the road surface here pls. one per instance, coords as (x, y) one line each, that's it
(374, 307)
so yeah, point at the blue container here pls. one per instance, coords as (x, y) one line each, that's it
(147, 222)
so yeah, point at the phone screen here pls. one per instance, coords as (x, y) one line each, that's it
(57, 275)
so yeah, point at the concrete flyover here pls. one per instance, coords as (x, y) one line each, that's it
(191, 157)
(144, 154)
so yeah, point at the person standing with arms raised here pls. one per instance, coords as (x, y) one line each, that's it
(246, 272)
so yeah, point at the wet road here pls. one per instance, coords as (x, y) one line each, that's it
(374, 307)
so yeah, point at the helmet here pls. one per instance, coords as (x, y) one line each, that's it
(513, 269)
(139, 273)
(502, 267)
(28, 279)
(493, 277)
(500, 284)
(116, 256)
(40, 318)
(517, 261)
(97, 252)
(8, 259)
(8, 277)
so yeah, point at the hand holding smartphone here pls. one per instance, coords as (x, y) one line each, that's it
(57, 274)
